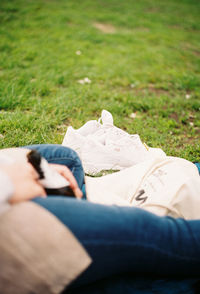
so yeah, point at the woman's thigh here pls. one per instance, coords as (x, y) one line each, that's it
(58, 154)
(124, 239)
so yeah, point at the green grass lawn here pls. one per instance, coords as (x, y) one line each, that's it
(141, 56)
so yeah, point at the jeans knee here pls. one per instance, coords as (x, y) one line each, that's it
(56, 153)
(72, 154)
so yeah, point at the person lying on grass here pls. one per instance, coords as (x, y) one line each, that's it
(119, 239)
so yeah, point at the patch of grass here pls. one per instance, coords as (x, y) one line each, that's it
(141, 56)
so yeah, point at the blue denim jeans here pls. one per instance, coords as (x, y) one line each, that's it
(124, 239)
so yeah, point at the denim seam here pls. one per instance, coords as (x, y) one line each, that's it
(111, 243)
(60, 158)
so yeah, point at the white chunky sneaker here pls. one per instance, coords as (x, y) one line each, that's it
(103, 146)
(114, 155)
(89, 128)
(97, 157)
(106, 118)
(74, 140)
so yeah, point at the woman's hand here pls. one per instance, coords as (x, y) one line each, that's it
(25, 181)
(65, 172)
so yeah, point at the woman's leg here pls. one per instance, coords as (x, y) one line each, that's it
(62, 155)
(128, 239)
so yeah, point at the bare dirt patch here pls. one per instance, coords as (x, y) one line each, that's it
(175, 26)
(150, 89)
(189, 47)
(141, 29)
(105, 28)
(174, 116)
(153, 9)
(159, 91)
(196, 52)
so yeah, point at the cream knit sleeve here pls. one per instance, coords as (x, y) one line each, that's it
(6, 190)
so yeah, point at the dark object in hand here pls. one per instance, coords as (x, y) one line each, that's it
(51, 180)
